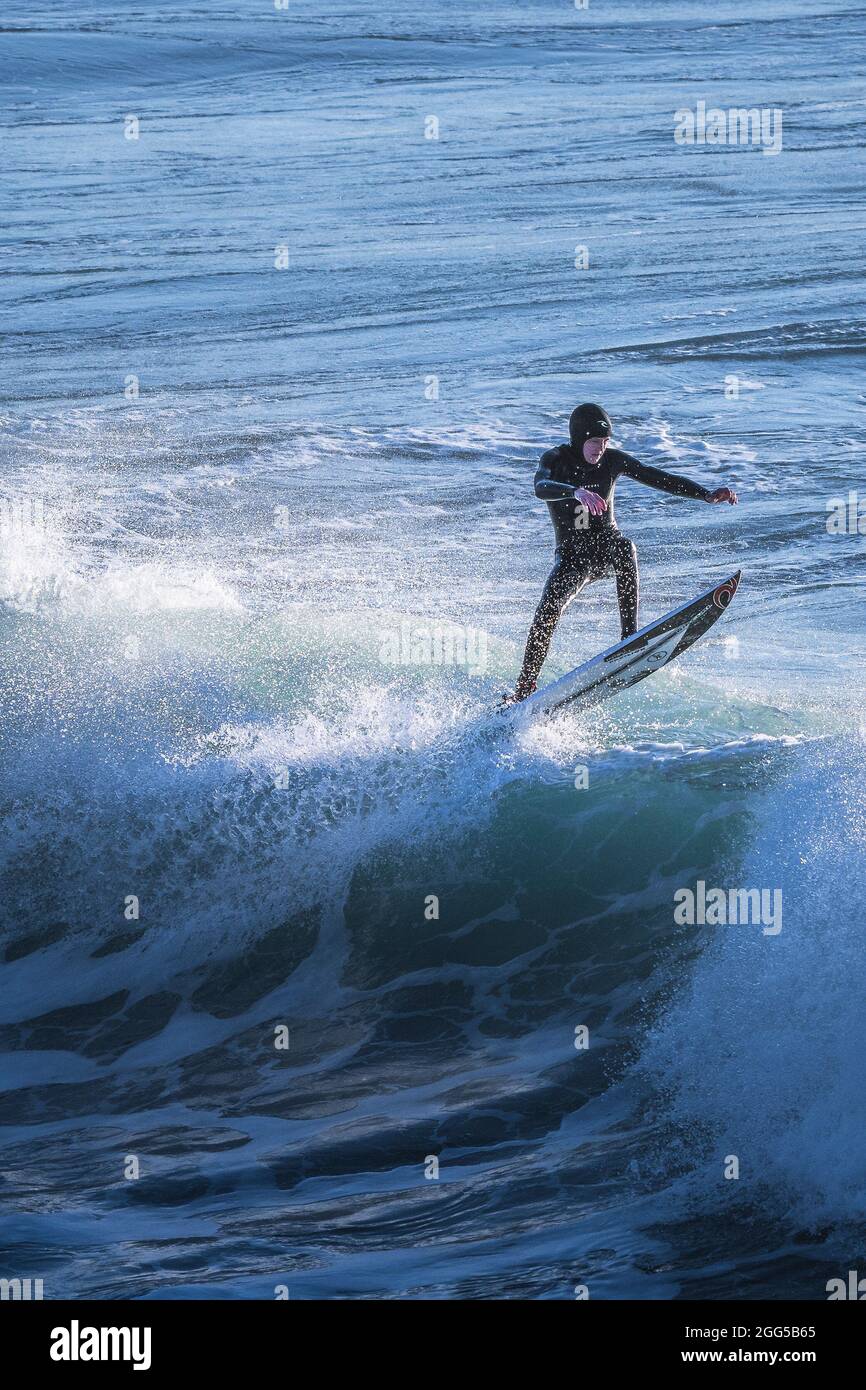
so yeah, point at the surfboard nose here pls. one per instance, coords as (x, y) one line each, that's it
(723, 594)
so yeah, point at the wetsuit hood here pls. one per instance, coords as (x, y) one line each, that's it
(588, 422)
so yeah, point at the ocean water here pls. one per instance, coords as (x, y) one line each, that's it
(277, 371)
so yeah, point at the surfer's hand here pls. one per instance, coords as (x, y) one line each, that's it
(724, 494)
(594, 504)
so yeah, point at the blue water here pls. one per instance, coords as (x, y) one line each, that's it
(227, 487)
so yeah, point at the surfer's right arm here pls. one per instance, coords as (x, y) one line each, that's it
(550, 489)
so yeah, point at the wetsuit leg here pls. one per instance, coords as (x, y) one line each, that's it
(623, 562)
(565, 581)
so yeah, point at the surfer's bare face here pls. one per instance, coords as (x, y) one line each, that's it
(594, 448)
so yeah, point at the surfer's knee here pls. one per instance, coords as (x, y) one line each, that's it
(625, 557)
(547, 615)
(553, 600)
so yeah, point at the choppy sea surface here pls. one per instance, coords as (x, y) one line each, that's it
(295, 940)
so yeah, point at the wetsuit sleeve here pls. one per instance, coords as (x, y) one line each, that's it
(546, 486)
(665, 482)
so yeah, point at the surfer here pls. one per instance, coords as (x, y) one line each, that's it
(577, 481)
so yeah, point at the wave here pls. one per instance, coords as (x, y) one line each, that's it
(756, 1054)
(229, 805)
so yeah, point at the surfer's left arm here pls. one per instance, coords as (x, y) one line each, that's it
(677, 487)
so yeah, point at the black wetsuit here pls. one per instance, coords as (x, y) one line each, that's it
(589, 547)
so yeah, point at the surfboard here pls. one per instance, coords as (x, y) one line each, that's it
(634, 658)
